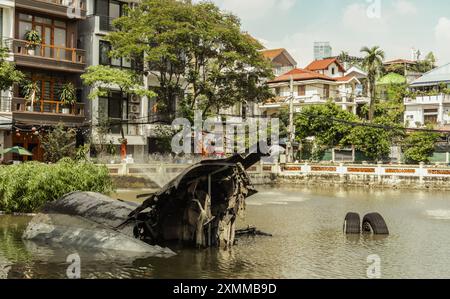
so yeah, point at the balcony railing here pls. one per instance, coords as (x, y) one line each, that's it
(47, 106)
(72, 9)
(81, 4)
(5, 104)
(431, 99)
(53, 52)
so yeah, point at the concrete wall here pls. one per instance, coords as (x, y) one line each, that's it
(373, 176)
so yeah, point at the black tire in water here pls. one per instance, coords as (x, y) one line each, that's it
(352, 223)
(375, 223)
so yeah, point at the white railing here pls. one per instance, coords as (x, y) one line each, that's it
(432, 99)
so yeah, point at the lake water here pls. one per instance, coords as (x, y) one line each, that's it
(307, 241)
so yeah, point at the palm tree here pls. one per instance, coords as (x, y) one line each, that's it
(373, 63)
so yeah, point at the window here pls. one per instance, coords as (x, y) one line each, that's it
(301, 90)
(333, 71)
(115, 108)
(105, 59)
(326, 90)
(52, 32)
(277, 91)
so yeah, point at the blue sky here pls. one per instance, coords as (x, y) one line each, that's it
(394, 25)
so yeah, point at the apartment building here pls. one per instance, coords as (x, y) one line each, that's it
(122, 110)
(50, 65)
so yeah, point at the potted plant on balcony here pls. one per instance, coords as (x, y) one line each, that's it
(33, 40)
(67, 97)
(31, 91)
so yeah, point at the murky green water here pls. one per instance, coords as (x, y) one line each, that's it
(307, 242)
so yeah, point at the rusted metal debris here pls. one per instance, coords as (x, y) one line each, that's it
(199, 207)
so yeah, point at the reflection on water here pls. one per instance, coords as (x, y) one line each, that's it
(307, 241)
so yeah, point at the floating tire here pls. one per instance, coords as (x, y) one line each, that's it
(374, 223)
(352, 224)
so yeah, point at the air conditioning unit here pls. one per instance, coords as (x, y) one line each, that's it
(134, 109)
(134, 98)
(133, 117)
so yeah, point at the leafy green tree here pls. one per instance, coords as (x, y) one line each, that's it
(419, 146)
(102, 78)
(8, 73)
(318, 121)
(193, 49)
(373, 63)
(58, 143)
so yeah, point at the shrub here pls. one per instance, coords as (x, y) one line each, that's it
(26, 187)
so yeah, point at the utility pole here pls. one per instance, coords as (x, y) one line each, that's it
(290, 145)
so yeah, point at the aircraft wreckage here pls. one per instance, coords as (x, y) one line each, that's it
(199, 208)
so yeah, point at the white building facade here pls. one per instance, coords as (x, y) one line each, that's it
(431, 104)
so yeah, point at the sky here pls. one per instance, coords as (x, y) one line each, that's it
(394, 25)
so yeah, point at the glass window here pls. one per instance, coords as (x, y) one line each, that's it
(24, 27)
(60, 37)
(103, 55)
(43, 20)
(60, 24)
(114, 10)
(25, 17)
(126, 62)
(115, 105)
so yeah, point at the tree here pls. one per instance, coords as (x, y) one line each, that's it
(373, 63)
(318, 121)
(58, 143)
(103, 78)
(8, 73)
(419, 146)
(193, 49)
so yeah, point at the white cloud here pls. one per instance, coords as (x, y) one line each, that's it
(405, 7)
(357, 18)
(442, 35)
(254, 9)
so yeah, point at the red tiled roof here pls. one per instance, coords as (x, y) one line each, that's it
(272, 53)
(301, 75)
(400, 61)
(323, 64)
(344, 79)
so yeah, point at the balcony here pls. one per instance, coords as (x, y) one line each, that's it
(49, 57)
(428, 100)
(69, 9)
(46, 112)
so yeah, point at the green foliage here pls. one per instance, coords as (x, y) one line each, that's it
(31, 91)
(419, 146)
(8, 73)
(26, 187)
(68, 94)
(318, 121)
(33, 38)
(102, 78)
(58, 143)
(196, 46)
